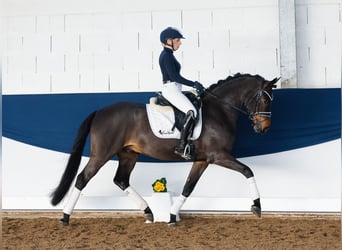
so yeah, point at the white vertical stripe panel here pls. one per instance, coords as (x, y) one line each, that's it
(197, 19)
(163, 19)
(302, 56)
(21, 62)
(92, 82)
(86, 81)
(211, 76)
(191, 39)
(107, 23)
(101, 82)
(36, 83)
(322, 15)
(13, 44)
(22, 24)
(223, 58)
(79, 23)
(216, 39)
(71, 62)
(123, 81)
(228, 18)
(311, 76)
(333, 37)
(333, 79)
(94, 43)
(149, 40)
(86, 62)
(253, 38)
(43, 24)
(150, 80)
(107, 62)
(127, 40)
(13, 82)
(36, 43)
(65, 43)
(264, 19)
(265, 63)
(198, 59)
(137, 21)
(117, 42)
(141, 60)
(56, 23)
(65, 82)
(309, 36)
(244, 61)
(50, 63)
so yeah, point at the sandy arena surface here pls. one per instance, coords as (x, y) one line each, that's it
(107, 230)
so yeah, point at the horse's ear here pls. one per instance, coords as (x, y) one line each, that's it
(274, 82)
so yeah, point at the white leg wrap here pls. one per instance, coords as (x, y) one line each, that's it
(73, 198)
(142, 204)
(253, 187)
(178, 204)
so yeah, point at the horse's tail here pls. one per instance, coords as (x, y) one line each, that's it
(73, 162)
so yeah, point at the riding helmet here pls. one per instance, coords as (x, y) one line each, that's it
(170, 33)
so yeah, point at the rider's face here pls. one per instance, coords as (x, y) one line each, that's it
(176, 43)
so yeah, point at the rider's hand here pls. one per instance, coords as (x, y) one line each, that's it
(199, 88)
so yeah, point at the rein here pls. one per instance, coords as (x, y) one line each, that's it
(257, 96)
(226, 103)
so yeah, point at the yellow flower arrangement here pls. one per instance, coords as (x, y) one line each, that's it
(160, 185)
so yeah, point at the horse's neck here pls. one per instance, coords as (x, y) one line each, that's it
(230, 95)
(226, 106)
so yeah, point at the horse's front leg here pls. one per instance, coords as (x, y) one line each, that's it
(196, 171)
(234, 164)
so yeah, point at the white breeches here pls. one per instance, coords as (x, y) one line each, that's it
(172, 91)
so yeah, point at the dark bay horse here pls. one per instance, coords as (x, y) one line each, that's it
(123, 129)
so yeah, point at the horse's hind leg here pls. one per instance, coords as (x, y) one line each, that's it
(127, 160)
(82, 179)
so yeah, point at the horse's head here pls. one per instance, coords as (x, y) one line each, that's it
(252, 92)
(259, 106)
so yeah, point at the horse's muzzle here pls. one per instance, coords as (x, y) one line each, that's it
(261, 124)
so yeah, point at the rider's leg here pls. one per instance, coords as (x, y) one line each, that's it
(183, 148)
(172, 92)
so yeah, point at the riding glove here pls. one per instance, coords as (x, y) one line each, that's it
(199, 88)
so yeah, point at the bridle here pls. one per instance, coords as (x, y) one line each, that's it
(257, 98)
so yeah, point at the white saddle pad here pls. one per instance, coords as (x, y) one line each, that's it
(162, 119)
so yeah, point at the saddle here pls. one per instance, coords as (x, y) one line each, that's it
(167, 121)
(179, 115)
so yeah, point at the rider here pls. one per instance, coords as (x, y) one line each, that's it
(172, 87)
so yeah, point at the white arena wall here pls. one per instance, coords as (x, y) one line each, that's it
(88, 46)
(303, 180)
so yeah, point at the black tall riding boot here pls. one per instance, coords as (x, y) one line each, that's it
(184, 148)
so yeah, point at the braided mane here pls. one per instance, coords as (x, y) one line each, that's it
(235, 77)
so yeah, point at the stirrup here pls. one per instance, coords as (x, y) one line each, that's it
(186, 154)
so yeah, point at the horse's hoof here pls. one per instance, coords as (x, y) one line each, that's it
(172, 224)
(65, 220)
(173, 220)
(256, 210)
(149, 218)
(64, 223)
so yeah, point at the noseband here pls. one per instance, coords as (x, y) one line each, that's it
(257, 98)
